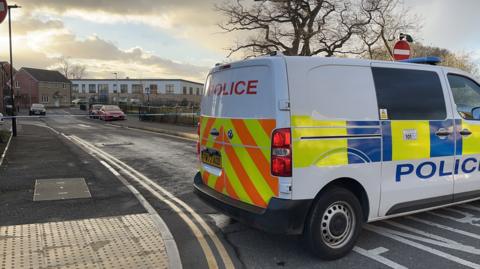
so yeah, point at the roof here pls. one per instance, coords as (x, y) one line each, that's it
(46, 75)
(135, 79)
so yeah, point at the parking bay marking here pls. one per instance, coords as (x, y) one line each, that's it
(385, 232)
(374, 254)
(438, 225)
(114, 161)
(467, 217)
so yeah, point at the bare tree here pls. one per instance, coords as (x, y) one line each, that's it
(389, 20)
(69, 70)
(297, 27)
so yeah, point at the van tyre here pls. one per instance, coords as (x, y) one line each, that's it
(334, 224)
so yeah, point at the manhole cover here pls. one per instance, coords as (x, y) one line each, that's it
(60, 189)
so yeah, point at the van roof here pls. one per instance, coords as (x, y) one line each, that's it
(318, 60)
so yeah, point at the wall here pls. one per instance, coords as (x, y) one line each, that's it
(26, 93)
(58, 94)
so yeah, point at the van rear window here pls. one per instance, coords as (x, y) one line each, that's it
(404, 94)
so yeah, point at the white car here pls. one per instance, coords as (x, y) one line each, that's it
(321, 146)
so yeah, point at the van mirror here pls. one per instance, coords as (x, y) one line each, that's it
(476, 113)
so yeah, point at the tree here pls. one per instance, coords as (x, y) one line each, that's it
(389, 20)
(297, 27)
(69, 70)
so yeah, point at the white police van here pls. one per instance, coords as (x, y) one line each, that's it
(320, 146)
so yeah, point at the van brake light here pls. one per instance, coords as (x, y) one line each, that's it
(281, 153)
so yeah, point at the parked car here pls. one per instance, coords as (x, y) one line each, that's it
(110, 112)
(38, 109)
(94, 110)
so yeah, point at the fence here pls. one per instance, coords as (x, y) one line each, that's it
(174, 115)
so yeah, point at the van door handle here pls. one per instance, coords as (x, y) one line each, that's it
(214, 132)
(465, 132)
(443, 132)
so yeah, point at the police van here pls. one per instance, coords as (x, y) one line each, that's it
(320, 146)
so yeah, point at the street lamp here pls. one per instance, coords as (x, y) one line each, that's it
(12, 96)
(116, 87)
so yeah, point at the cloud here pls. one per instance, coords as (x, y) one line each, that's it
(41, 42)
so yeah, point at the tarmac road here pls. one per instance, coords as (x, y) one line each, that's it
(444, 238)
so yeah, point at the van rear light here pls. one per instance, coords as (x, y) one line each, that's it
(198, 141)
(282, 153)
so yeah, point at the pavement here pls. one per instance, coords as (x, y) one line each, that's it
(61, 208)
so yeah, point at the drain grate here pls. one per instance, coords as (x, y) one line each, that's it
(60, 189)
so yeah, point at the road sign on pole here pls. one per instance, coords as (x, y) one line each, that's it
(3, 10)
(401, 50)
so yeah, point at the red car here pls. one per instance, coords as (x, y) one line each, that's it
(94, 110)
(111, 113)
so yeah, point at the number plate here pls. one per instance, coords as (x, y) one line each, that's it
(213, 159)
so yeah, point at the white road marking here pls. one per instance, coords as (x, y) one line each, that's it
(451, 244)
(174, 260)
(142, 179)
(467, 217)
(425, 248)
(471, 207)
(84, 125)
(420, 232)
(5, 150)
(374, 254)
(448, 228)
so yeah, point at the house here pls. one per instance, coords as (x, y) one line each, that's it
(153, 90)
(47, 87)
(4, 85)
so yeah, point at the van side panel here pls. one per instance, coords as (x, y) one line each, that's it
(336, 131)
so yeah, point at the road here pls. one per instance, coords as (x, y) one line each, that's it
(162, 168)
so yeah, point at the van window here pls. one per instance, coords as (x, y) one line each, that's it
(466, 94)
(409, 94)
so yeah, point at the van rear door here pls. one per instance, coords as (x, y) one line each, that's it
(238, 115)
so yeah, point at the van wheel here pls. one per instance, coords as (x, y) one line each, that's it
(334, 224)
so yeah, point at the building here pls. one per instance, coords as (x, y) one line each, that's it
(141, 91)
(47, 87)
(4, 85)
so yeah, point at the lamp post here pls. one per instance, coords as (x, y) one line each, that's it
(116, 87)
(12, 84)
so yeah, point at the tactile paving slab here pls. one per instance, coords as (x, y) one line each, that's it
(130, 241)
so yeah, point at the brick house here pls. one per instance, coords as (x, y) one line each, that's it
(47, 87)
(4, 84)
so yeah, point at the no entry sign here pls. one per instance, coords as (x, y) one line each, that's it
(3, 10)
(401, 50)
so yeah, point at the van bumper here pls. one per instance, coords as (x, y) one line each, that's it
(281, 215)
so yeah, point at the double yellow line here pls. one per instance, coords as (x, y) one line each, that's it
(177, 205)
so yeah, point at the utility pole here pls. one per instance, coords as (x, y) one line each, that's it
(12, 84)
(116, 87)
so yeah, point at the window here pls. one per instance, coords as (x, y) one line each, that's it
(184, 90)
(137, 88)
(103, 89)
(115, 88)
(124, 88)
(44, 98)
(198, 91)
(170, 89)
(17, 84)
(75, 88)
(191, 91)
(466, 94)
(409, 94)
(84, 88)
(92, 88)
(64, 85)
(153, 89)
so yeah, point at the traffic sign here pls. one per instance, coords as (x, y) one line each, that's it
(401, 50)
(3, 10)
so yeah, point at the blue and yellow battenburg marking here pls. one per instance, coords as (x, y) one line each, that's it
(334, 143)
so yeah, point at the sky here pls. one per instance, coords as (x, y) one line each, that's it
(174, 38)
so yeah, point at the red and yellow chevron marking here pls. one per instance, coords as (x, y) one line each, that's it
(245, 158)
